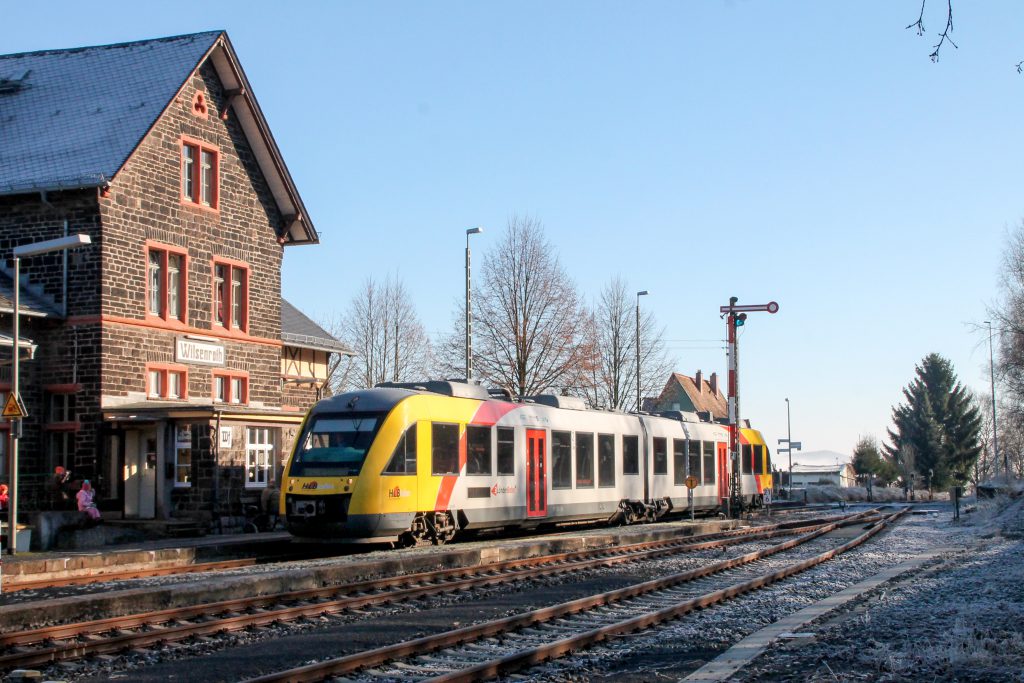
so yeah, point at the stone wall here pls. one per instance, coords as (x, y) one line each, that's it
(145, 203)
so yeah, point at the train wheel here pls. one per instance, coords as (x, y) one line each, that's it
(436, 528)
(420, 532)
(444, 528)
(630, 515)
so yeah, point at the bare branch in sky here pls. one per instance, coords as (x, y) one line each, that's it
(918, 26)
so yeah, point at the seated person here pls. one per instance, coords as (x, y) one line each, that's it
(85, 502)
(5, 501)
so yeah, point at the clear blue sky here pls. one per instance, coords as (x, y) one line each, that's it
(799, 151)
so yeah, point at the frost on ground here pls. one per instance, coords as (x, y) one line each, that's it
(962, 620)
(853, 494)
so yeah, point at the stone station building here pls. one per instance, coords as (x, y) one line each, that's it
(160, 362)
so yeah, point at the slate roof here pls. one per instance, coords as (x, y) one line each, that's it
(30, 304)
(297, 329)
(71, 118)
(76, 115)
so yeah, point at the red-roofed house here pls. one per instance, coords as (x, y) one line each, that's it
(692, 394)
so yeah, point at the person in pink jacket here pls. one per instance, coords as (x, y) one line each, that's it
(85, 501)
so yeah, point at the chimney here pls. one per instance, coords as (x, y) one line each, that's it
(698, 379)
(714, 384)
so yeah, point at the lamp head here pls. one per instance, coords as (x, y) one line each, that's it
(474, 231)
(59, 244)
(642, 293)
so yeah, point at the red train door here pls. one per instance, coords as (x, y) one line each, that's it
(536, 474)
(723, 472)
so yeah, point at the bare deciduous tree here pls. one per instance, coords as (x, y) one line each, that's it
(527, 331)
(612, 377)
(382, 327)
(449, 348)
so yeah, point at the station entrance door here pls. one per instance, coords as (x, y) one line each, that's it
(140, 462)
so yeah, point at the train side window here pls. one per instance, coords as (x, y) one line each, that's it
(630, 454)
(506, 451)
(746, 457)
(561, 460)
(709, 462)
(584, 460)
(606, 460)
(693, 454)
(478, 450)
(679, 462)
(444, 449)
(660, 455)
(403, 460)
(759, 459)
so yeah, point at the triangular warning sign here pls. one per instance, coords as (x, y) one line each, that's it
(14, 408)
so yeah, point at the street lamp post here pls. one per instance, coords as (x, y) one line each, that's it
(995, 432)
(469, 310)
(33, 249)
(789, 447)
(638, 295)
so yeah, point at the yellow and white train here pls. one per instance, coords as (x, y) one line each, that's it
(422, 462)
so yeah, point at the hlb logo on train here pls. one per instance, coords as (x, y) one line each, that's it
(397, 493)
(495, 490)
(315, 485)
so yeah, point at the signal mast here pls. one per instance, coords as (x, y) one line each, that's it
(735, 316)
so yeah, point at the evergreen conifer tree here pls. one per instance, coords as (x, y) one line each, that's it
(939, 421)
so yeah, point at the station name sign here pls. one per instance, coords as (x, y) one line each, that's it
(199, 352)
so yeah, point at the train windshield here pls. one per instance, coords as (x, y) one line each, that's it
(335, 445)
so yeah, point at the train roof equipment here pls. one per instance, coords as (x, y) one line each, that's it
(452, 388)
(564, 402)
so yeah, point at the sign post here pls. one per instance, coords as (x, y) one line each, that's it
(691, 484)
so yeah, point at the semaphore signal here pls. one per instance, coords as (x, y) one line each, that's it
(735, 317)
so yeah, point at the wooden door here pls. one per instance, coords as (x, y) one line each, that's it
(536, 473)
(723, 471)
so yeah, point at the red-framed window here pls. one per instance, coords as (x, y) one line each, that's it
(166, 381)
(166, 282)
(200, 174)
(230, 387)
(231, 295)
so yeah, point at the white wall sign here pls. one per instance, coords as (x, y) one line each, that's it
(198, 352)
(225, 437)
(183, 435)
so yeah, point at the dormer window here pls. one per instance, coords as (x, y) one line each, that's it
(199, 174)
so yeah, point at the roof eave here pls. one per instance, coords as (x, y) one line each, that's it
(29, 188)
(300, 229)
(340, 350)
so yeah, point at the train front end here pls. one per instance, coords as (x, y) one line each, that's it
(322, 496)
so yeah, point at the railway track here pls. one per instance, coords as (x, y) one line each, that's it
(502, 646)
(43, 646)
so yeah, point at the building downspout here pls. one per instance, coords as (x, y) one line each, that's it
(64, 282)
